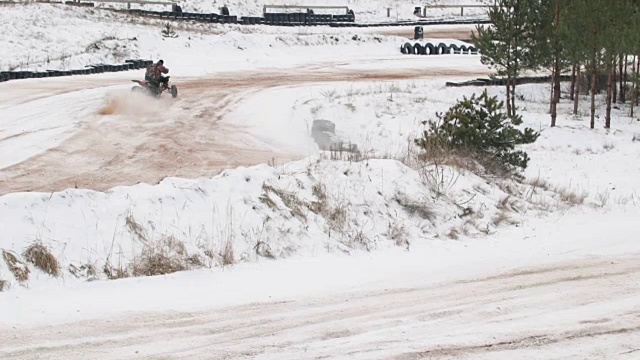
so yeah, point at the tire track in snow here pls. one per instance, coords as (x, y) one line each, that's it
(185, 137)
(572, 306)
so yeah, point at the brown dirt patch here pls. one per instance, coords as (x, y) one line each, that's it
(140, 139)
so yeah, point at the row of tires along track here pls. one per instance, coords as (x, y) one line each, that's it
(92, 69)
(436, 49)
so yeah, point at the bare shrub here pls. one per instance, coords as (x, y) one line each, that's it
(635, 138)
(421, 209)
(263, 249)
(397, 232)
(115, 273)
(228, 254)
(18, 268)
(538, 183)
(508, 203)
(320, 193)
(438, 177)
(608, 146)
(86, 271)
(42, 258)
(358, 239)
(503, 217)
(453, 234)
(570, 197)
(603, 198)
(290, 200)
(337, 218)
(135, 227)
(166, 256)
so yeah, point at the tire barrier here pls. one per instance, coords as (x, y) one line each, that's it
(311, 19)
(132, 64)
(436, 49)
(503, 82)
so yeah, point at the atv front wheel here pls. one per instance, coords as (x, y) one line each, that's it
(174, 91)
(137, 89)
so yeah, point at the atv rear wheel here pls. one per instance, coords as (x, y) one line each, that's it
(174, 91)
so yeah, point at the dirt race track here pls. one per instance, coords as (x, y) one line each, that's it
(127, 140)
(565, 310)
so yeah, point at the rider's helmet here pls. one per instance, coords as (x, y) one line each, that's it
(161, 62)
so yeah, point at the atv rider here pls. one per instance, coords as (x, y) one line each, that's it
(154, 74)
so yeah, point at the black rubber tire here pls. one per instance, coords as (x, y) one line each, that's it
(418, 49)
(442, 49)
(430, 49)
(174, 91)
(408, 48)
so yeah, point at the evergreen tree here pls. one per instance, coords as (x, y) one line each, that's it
(504, 45)
(477, 127)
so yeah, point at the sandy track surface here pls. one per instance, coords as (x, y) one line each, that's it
(578, 309)
(132, 140)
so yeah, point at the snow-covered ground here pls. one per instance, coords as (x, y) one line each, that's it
(330, 255)
(365, 10)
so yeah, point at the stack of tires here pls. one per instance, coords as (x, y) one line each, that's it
(131, 64)
(436, 49)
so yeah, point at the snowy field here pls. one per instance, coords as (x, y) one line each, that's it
(286, 251)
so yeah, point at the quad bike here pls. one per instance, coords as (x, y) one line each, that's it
(153, 90)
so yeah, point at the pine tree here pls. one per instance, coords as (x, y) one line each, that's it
(478, 128)
(504, 44)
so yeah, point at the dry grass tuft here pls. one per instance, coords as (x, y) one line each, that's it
(86, 271)
(397, 232)
(320, 193)
(421, 209)
(570, 197)
(539, 183)
(135, 228)
(42, 258)
(453, 234)
(263, 249)
(18, 268)
(290, 200)
(166, 256)
(115, 273)
(337, 218)
(502, 217)
(4, 285)
(228, 254)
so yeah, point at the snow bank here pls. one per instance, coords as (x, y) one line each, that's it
(42, 36)
(303, 208)
(380, 118)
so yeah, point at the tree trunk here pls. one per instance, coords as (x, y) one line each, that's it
(577, 94)
(593, 94)
(573, 82)
(611, 68)
(633, 90)
(637, 71)
(615, 87)
(623, 78)
(513, 97)
(556, 91)
(509, 95)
